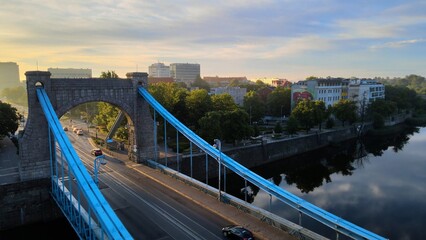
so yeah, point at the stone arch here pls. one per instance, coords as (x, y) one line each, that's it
(65, 94)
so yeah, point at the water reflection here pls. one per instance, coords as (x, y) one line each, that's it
(374, 182)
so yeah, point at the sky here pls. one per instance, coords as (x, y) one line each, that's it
(291, 39)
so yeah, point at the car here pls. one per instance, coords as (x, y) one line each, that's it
(65, 129)
(79, 132)
(237, 232)
(96, 152)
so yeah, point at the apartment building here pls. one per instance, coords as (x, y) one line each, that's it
(332, 90)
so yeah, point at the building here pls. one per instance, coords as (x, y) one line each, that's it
(224, 81)
(70, 72)
(185, 72)
(9, 75)
(236, 93)
(281, 83)
(365, 91)
(159, 70)
(331, 90)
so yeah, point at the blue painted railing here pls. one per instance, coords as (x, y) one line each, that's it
(338, 224)
(108, 222)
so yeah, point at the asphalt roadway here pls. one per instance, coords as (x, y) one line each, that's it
(9, 172)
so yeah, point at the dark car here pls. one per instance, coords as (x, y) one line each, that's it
(237, 232)
(96, 152)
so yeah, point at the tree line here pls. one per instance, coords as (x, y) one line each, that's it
(217, 116)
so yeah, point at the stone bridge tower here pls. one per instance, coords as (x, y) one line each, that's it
(66, 94)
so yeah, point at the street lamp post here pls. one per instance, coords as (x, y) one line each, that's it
(99, 160)
(218, 145)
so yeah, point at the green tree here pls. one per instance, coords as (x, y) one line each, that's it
(320, 112)
(254, 106)
(9, 117)
(235, 125)
(278, 129)
(382, 107)
(198, 103)
(279, 102)
(106, 116)
(108, 74)
(211, 126)
(223, 102)
(292, 125)
(200, 83)
(345, 110)
(304, 113)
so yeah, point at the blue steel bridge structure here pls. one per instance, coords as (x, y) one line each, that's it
(92, 217)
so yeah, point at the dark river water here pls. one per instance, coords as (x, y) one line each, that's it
(378, 183)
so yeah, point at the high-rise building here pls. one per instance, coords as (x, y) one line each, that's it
(9, 75)
(185, 72)
(70, 72)
(159, 70)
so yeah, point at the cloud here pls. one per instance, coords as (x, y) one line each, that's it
(397, 44)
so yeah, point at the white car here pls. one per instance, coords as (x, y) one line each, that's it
(79, 132)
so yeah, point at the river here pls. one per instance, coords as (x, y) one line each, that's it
(378, 183)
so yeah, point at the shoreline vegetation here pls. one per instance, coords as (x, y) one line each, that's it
(416, 121)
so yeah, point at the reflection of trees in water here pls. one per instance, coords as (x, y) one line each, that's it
(311, 170)
(376, 145)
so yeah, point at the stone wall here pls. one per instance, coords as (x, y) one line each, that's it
(265, 152)
(27, 203)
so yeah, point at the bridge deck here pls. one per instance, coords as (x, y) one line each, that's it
(260, 229)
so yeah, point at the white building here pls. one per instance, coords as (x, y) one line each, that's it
(159, 70)
(185, 72)
(9, 75)
(332, 90)
(365, 91)
(236, 93)
(70, 72)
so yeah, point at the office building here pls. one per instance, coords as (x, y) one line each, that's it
(159, 70)
(70, 73)
(9, 75)
(185, 72)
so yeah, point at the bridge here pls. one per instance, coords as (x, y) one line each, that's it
(46, 152)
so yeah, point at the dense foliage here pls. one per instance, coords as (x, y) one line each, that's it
(9, 118)
(413, 82)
